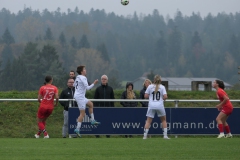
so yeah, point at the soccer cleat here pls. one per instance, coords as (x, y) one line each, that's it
(221, 136)
(94, 122)
(229, 135)
(77, 132)
(36, 136)
(144, 137)
(47, 136)
(166, 137)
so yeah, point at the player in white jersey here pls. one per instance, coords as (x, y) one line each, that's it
(81, 85)
(156, 93)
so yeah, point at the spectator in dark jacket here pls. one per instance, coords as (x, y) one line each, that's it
(104, 92)
(146, 83)
(129, 94)
(67, 94)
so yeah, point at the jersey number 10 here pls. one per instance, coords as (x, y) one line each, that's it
(156, 95)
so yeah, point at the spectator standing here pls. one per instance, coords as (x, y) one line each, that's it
(146, 83)
(72, 75)
(129, 94)
(67, 93)
(104, 91)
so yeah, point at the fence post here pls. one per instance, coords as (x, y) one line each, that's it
(70, 105)
(176, 106)
(70, 102)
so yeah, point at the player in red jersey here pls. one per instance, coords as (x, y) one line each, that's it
(46, 96)
(225, 107)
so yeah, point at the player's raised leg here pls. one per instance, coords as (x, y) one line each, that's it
(90, 110)
(79, 123)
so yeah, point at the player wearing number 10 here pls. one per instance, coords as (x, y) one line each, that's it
(46, 96)
(157, 95)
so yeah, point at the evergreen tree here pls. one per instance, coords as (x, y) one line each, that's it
(83, 43)
(104, 53)
(31, 59)
(151, 75)
(7, 38)
(73, 42)
(5, 79)
(62, 39)
(196, 44)
(48, 34)
(38, 38)
(6, 55)
(161, 51)
(196, 39)
(174, 46)
(234, 47)
(113, 80)
(50, 65)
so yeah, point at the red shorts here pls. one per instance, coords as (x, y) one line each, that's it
(227, 110)
(44, 112)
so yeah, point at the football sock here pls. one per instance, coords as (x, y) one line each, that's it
(44, 123)
(92, 116)
(164, 132)
(79, 125)
(145, 132)
(45, 132)
(220, 127)
(39, 132)
(227, 129)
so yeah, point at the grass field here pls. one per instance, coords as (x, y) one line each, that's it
(119, 148)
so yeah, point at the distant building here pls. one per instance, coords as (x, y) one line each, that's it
(174, 83)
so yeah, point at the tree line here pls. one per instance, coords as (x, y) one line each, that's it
(34, 43)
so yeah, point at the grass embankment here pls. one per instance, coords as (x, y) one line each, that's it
(18, 119)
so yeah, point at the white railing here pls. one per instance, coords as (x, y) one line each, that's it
(176, 101)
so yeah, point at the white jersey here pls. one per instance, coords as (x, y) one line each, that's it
(81, 85)
(155, 99)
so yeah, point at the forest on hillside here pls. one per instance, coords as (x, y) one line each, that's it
(34, 44)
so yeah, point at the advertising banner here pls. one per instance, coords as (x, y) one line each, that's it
(131, 121)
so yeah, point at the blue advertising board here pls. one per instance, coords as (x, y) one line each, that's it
(131, 121)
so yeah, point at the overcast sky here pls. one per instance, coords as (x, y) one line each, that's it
(165, 7)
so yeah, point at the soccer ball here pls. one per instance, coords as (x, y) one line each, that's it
(124, 2)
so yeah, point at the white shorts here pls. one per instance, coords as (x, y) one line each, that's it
(82, 103)
(160, 112)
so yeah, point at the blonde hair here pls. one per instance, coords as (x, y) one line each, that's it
(148, 81)
(157, 81)
(130, 94)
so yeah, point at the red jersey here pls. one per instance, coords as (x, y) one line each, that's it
(220, 94)
(48, 93)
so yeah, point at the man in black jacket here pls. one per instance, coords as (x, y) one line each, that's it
(67, 93)
(104, 92)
